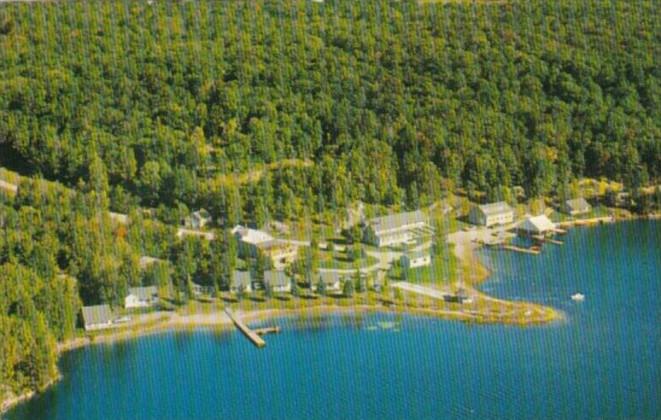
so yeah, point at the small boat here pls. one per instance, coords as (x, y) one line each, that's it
(578, 297)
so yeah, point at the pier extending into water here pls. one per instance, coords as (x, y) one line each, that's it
(250, 334)
(533, 250)
(267, 330)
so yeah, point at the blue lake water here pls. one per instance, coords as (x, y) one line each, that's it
(604, 361)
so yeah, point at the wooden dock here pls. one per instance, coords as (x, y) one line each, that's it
(533, 251)
(250, 334)
(267, 330)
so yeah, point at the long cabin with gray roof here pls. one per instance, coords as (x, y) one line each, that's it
(97, 317)
(499, 213)
(396, 228)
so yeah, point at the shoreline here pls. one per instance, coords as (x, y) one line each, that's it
(216, 321)
(464, 250)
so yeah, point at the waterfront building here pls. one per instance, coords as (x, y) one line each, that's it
(576, 206)
(97, 317)
(537, 225)
(499, 213)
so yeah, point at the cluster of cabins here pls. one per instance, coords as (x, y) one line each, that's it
(500, 213)
(98, 317)
(392, 230)
(539, 228)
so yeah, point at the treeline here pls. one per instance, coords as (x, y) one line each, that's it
(393, 102)
(59, 249)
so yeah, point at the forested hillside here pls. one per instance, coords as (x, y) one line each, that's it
(174, 96)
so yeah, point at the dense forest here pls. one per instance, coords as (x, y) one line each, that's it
(283, 108)
(176, 97)
(60, 248)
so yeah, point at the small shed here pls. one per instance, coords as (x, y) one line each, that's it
(415, 259)
(141, 297)
(97, 317)
(198, 219)
(278, 280)
(576, 206)
(241, 281)
(331, 280)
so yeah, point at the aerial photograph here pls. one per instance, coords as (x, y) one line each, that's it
(330, 209)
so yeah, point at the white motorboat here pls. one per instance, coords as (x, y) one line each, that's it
(578, 297)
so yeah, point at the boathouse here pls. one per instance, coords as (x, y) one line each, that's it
(536, 225)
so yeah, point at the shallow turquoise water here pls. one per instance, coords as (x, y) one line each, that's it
(603, 362)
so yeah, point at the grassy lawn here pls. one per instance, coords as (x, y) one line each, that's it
(443, 270)
(337, 259)
(452, 224)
